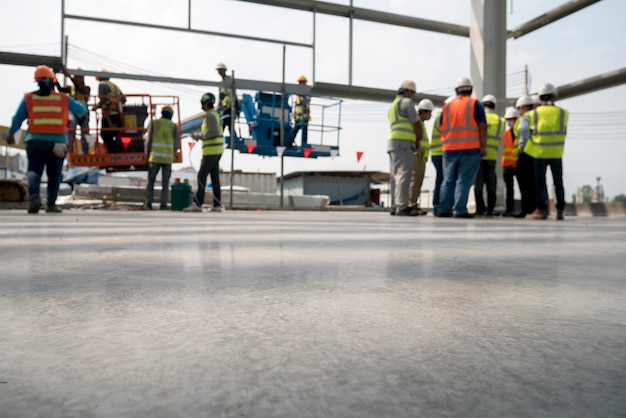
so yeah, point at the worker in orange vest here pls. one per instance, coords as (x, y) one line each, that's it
(464, 141)
(509, 158)
(46, 138)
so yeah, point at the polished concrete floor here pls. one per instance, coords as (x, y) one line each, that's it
(310, 314)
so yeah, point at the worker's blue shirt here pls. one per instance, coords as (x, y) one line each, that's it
(21, 115)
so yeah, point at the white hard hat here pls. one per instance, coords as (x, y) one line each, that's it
(463, 82)
(511, 113)
(221, 66)
(524, 101)
(408, 85)
(425, 104)
(535, 98)
(490, 98)
(547, 89)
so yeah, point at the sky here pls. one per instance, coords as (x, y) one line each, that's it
(579, 46)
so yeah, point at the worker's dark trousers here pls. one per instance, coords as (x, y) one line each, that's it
(525, 172)
(210, 165)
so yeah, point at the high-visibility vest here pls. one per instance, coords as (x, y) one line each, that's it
(212, 146)
(424, 142)
(47, 114)
(401, 126)
(435, 141)
(495, 129)
(459, 130)
(509, 155)
(548, 124)
(302, 107)
(162, 149)
(115, 96)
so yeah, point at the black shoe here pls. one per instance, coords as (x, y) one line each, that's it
(406, 212)
(507, 214)
(519, 215)
(392, 212)
(163, 207)
(443, 215)
(464, 215)
(53, 209)
(147, 206)
(34, 205)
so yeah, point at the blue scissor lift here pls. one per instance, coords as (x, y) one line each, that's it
(263, 118)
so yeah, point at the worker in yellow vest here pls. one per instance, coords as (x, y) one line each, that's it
(212, 150)
(424, 111)
(111, 101)
(548, 124)
(404, 139)
(486, 175)
(301, 115)
(46, 138)
(161, 147)
(509, 159)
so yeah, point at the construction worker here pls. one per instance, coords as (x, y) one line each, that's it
(161, 147)
(111, 100)
(424, 110)
(464, 141)
(509, 158)
(436, 156)
(301, 114)
(486, 175)
(46, 138)
(525, 168)
(226, 97)
(80, 91)
(548, 124)
(404, 139)
(212, 149)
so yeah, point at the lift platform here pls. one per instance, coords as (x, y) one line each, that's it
(138, 112)
(258, 127)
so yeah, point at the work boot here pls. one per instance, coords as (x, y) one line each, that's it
(53, 209)
(217, 209)
(192, 208)
(34, 205)
(539, 214)
(147, 206)
(559, 215)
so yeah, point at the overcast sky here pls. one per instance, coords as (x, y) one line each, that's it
(585, 44)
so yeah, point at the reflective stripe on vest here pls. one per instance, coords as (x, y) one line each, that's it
(495, 129)
(162, 149)
(509, 155)
(435, 142)
(212, 146)
(47, 114)
(548, 124)
(460, 130)
(424, 142)
(401, 127)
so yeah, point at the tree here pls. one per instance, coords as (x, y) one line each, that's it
(587, 192)
(620, 198)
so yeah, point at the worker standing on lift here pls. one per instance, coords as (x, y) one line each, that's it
(111, 101)
(301, 115)
(226, 97)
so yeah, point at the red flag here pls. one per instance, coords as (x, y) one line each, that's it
(307, 152)
(250, 148)
(191, 144)
(359, 154)
(126, 141)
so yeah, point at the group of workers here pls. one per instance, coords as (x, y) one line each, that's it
(466, 139)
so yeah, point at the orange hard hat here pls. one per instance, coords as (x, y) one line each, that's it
(44, 71)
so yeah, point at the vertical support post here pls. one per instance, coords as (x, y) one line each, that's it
(351, 17)
(63, 39)
(232, 137)
(282, 131)
(488, 59)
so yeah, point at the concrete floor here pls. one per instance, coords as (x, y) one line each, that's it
(310, 314)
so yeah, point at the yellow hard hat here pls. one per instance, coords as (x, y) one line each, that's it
(302, 78)
(169, 108)
(100, 78)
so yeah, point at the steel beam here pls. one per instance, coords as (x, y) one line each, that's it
(555, 14)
